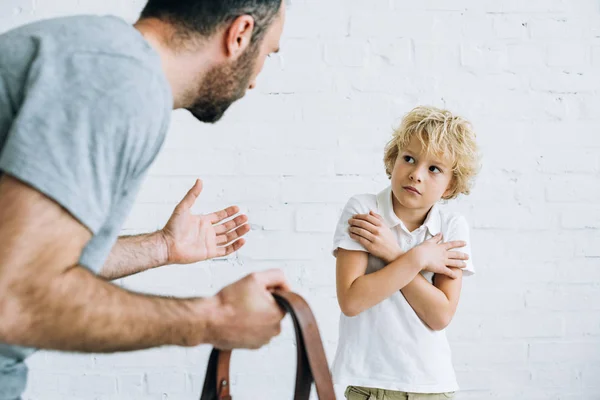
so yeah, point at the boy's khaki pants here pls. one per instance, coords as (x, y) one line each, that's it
(364, 393)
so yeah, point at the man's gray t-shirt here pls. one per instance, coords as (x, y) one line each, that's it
(84, 109)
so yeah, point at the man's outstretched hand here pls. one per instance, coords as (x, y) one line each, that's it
(191, 238)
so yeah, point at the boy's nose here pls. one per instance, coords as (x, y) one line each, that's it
(415, 176)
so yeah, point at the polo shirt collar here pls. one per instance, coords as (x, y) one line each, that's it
(433, 221)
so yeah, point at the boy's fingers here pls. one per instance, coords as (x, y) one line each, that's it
(458, 255)
(451, 273)
(435, 239)
(373, 213)
(456, 264)
(362, 232)
(455, 244)
(369, 218)
(360, 239)
(362, 224)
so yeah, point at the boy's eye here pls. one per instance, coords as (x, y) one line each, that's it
(435, 169)
(409, 159)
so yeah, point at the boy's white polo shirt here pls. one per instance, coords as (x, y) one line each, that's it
(388, 346)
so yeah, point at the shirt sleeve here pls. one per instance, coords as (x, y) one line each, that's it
(341, 238)
(459, 230)
(72, 136)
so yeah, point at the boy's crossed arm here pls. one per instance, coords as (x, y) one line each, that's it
(434, 304)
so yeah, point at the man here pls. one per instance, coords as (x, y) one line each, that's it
(84, 109)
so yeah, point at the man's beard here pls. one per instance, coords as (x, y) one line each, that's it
(223, 85)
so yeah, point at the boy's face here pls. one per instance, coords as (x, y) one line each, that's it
(419, 181)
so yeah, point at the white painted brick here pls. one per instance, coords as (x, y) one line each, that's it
(566, 81)
(531, 324)
(582, 106)
(564, 298)
(510, 26)
(482, 354)
(131, 384)
(525, 55)
(583, 216)
(325, 190)
(166, 382)
(596, 56)
(582, 324)
(589, 246)
(557, 28)
(273, 218)
(291, 82)
(397, 52)
(484, 57)
(430, 55)
(347, 52)
(531, 6)
(552, 377)
(287, 162)
(590, 378)
(349, 162)
(570, 160)
(323, 25)
(568, 54)
(282, 246)
(317, 218)
(87, 385)
(573, 189)
(564, 352)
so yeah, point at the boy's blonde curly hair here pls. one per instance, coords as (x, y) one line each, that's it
(440, 133)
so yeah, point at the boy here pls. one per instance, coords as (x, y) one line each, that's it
(399, 274)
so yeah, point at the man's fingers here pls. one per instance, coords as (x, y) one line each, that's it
(457, 255)
(233, 247)
(455, 244)
(190, 198)
(232, 224)
(219, 216)
(362, 232)
(232, 235)
(272, 279)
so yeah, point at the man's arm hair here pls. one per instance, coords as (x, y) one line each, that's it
(135, 254)
(48, 301)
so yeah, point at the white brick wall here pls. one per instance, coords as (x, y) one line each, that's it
(526, 72)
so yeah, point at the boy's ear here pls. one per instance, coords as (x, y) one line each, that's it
(450, 190)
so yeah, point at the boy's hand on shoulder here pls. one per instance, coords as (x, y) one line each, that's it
(437, 257)
(379, 240)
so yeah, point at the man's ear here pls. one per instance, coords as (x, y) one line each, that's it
(238, 36)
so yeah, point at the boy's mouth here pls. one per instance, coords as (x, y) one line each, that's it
(411, 189)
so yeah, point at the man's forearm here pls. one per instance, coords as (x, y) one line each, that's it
(429, 302)
(134, 254)
(76, 311)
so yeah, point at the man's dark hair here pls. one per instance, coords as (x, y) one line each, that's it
(205, 17)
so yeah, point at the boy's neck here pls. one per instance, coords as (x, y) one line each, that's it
(412, 218)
